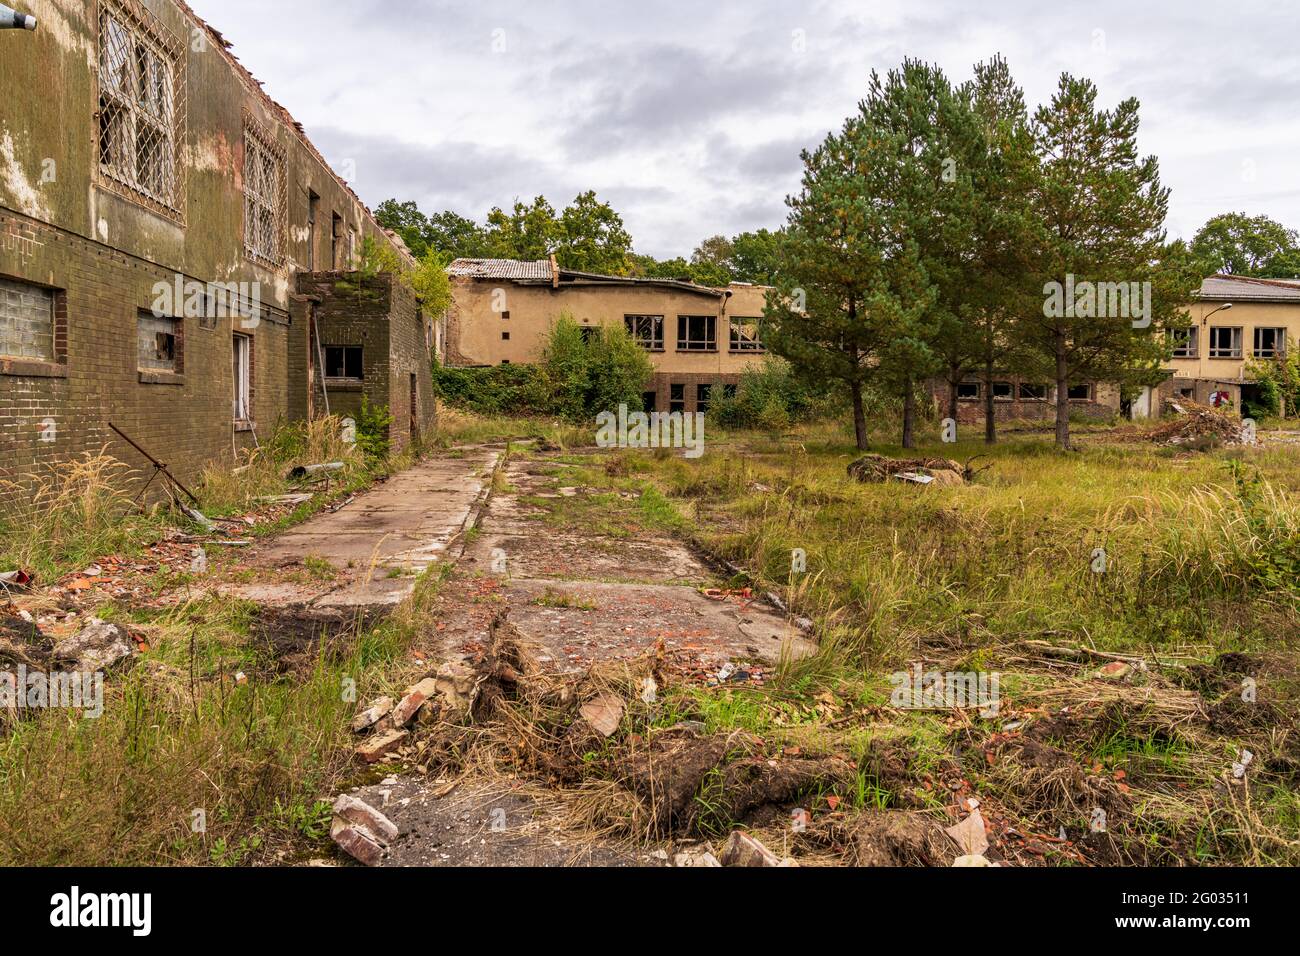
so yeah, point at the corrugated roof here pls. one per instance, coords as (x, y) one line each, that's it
(539, 269)
(1225, 288)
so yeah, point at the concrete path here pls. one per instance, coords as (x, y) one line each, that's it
(379, 542)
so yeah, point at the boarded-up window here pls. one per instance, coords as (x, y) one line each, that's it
(26, 321)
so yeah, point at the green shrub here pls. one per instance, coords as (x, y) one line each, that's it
(768, 397)
(582, 372)
(372, 430)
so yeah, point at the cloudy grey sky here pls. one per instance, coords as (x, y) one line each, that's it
(689, 116)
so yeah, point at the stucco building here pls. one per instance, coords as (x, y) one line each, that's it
(159, 214)
(699, 339)
(1233, 321)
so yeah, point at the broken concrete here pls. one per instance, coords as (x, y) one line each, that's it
(96, 647)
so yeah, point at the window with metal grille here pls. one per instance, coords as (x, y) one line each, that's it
(263, 196)
(744, 336)
(697, 333)
(141, 100)
(646, 330)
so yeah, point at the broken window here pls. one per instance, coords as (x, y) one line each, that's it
(1225, 342)
(1270, 343)
(730, 391)
(649, 401)
(158, 340)
(968, 391)
(344, 361)
(1002, 391)
(697, 333)
(1029, 392)
(26, 321)
(263, 196)
(1184, 342)
(139, 121)
(243, 374)
(745, 335)
(589, 334)
(676, 398)
(646, 330)
(703, 395)
(1080, 393)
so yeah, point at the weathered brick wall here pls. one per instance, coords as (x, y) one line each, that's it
(383, 317)
(185, 419)
(661, 384)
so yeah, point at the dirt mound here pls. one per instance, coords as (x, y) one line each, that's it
(898, 838)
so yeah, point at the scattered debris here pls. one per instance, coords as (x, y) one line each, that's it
(413, 699)
(16, 580)
(743, 850)
(361, 831)
(303, 471)
(695, 859)
(374, 712)
(96, 647)
(1198, 426)
(604, 714)
(923, 471)
(381, 745)
(970, 836)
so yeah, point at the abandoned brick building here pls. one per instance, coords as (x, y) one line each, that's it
(700, 339)
(175, 255)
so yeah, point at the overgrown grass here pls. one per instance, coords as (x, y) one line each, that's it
(187, 764)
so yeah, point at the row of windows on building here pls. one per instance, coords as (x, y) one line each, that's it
(1225, 341)
(1022, 391)
(677, 397)
(32, 317)
(141, 123)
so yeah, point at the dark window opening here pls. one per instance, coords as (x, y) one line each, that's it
(1032, 393)
(676, 398)
(745, 336)
(1270, 343)
(1080, 393)
(649, 401)
(343, 361)
(968, 391)
(1184, 342)
(1225, 342)
(589, 334)
(730, 391)
(1002, 391)
(697, 333)
(646, 330)
(703, 395)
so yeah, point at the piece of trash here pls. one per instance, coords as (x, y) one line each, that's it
(969, 835)
(727, 670)
(604, 714)
(1116, 670)
(303, 471)
(1243, 761)
(199, 518)
(15, 579)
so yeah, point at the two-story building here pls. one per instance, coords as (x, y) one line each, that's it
(168, 235)
(700, 339)
(1233, 321)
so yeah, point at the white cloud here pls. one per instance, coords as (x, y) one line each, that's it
(690, 116)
